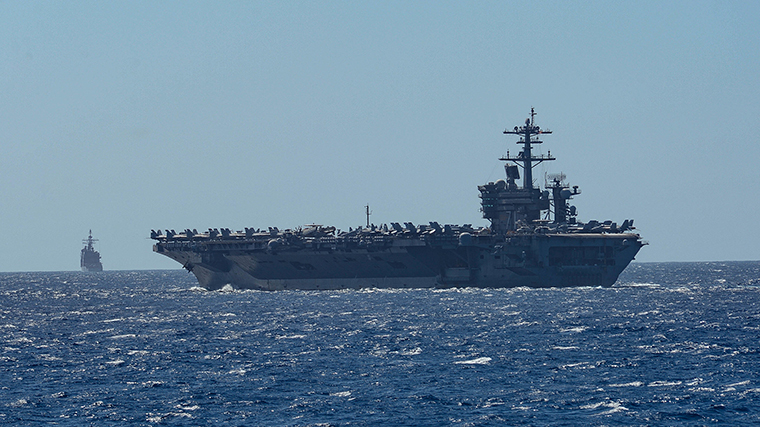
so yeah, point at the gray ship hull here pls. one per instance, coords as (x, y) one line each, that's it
(90, 258)
(558, 260)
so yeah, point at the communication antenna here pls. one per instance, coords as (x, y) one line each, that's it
(528, 137)
(369, 212)
(89, 241)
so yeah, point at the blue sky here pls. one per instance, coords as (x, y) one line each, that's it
(121, 117)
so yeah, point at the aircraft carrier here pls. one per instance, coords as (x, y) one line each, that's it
(534, 239)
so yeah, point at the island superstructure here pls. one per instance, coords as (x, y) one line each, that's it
(534, 239)
(90, 258)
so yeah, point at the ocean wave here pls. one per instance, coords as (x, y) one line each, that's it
(478, 361)
(630, 384)
(614, 407)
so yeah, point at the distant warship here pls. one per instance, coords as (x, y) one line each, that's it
(534, 239)
(90, 259)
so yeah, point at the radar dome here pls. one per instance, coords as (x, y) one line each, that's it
(465, 239)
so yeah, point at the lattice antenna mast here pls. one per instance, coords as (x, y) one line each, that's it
(525, 156)
(89, 242)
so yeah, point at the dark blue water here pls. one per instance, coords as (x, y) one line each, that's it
(670, 344)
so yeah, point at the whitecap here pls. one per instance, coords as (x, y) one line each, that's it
(738, 384)
(412, 352)
(630, 384)
(695, 381)
(341, 394)
(614, 407)
(18, 403)
(85, 333)
(94, 404)
(478, 361)
(640, 285)
(594, 405)
(117, 337)
(525, 323)
(291, 337)
(574, 329)
(49, 357)
(645, 313)
(153, 383)
(580, 365)
(160, 418)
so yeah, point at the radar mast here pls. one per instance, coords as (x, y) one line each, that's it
(89, 242)
(526, 156)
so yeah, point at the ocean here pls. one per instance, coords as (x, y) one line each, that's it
(670, 344)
